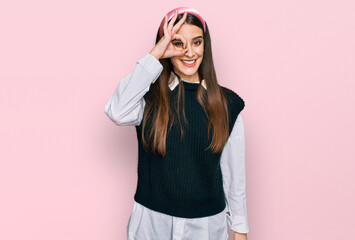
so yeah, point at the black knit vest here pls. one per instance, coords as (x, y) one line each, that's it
(187, 182)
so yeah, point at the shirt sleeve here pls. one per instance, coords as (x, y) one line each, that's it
(126, 105)
(234, 179)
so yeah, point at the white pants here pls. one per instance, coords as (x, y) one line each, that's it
(147, 224)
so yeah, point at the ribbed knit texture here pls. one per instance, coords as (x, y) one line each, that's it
(187, 182)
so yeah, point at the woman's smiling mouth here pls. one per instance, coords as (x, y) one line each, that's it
(189, 63)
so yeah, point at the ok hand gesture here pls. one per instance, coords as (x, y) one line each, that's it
(164, 48)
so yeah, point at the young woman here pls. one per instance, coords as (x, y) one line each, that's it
(191, 158)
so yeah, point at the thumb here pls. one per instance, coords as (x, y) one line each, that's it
(182, 52)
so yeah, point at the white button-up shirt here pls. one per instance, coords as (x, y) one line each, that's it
(125, 108)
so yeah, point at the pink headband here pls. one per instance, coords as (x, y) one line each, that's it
(181, 10)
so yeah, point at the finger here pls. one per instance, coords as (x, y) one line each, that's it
(171, 24)
(182, 39)
(165, 27)
(182, 52)
(179, 24)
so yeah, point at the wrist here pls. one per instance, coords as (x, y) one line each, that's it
(239, 236)
(154, 55)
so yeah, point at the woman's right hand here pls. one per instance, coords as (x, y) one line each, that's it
(164, 48)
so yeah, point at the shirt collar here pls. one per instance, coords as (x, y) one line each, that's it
(175, 81)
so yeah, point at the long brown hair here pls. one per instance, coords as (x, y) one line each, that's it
(157, 108)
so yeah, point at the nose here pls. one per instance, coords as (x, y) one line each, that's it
(190, 52)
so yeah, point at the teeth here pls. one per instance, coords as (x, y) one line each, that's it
(189, 62)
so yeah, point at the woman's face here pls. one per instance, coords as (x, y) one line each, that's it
(195, 46)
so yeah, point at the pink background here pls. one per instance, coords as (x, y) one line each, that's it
(68, 173)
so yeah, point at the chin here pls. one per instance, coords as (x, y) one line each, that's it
(188, 72)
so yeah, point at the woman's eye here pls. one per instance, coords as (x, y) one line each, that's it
(180, 43)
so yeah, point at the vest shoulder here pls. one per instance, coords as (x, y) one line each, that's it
(234, 100)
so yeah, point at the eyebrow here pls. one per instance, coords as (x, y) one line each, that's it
(192, 39)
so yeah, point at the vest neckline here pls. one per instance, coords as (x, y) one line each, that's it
(190, 86)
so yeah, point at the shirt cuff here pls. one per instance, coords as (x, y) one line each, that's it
(151, 65)
(238, 223)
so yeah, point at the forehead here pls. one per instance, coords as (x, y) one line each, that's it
(189, 31)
